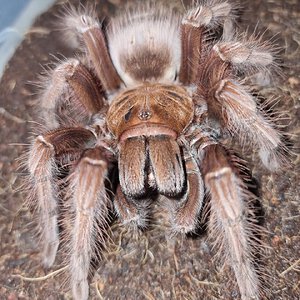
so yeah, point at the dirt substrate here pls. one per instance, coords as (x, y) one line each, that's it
(150, 265)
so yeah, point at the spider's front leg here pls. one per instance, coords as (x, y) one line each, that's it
(91, 205)
(231, 222)
(46, 151)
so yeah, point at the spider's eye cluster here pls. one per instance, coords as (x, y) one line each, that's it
(156, 104)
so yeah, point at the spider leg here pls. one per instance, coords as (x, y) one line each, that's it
(185, 211)
(231, 103)
(231, 221)
(247, 54)
(90, 32)
(250, 56)
(194, 26)
(42, 165)
(91, 205)
(71, 96)
(240, 115)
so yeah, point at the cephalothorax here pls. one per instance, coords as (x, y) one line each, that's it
(141, 119)
(151, 97)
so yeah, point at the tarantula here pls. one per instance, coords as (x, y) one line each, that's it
(150, 99)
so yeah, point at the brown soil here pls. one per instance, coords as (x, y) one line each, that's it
(149, 265)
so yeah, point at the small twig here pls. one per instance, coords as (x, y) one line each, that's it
(18, 144)
(176, 262)
(39, 30)
(146, 252)
(4, 208)
(203, 282)
(42, 278)
(291, 217)
(9, 116)
(98, 292)
(14, 217)
(148, 295)
(291, 267)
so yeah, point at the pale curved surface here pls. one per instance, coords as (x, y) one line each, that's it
(16, 17)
